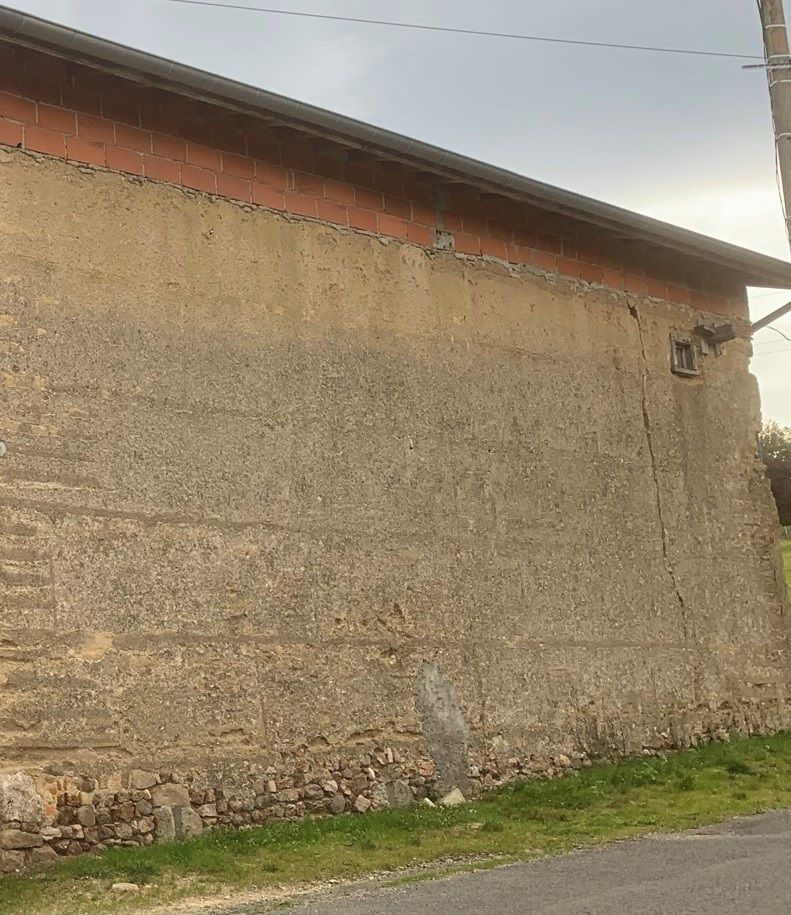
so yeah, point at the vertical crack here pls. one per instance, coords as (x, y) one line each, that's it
(689, 628)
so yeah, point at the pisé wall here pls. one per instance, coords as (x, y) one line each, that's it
(303, 519)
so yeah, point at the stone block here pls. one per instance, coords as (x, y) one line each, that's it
(400, 794)
(165, 828)
(187, 822)
(15, 838)
(19, 800)
(86, 816)
(170, 796)
(11, 861)
(41, 857)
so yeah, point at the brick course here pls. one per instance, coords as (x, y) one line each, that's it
(73, 111)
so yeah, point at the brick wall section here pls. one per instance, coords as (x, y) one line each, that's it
(75, 112)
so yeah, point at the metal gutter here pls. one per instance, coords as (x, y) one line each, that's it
(753, 268)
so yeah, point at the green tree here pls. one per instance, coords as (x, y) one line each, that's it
(776, 450)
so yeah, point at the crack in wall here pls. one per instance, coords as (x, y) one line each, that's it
(689, 627)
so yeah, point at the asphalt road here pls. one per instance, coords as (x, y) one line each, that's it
(743, 866)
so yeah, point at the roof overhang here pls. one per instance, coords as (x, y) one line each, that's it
(750, 267)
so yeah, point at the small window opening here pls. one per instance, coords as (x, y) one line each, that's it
(684, 357)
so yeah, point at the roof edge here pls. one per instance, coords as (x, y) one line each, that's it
(22, 28)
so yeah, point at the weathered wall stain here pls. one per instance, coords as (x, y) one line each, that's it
(444, 728)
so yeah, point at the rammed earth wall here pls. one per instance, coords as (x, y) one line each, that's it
(305, 517)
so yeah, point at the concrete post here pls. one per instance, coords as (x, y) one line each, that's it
(778, 73)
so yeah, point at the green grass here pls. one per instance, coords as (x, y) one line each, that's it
(605, 802)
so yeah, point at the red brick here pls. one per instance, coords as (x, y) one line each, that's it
(362, 219)
(634, 283)
(678, 294)
(569, 267)
(228, 139)
(151, 118)
(17, 109)
(467, 243)
(452, 222)
(204, 157)
(360, 176)
(299, 156)
(273, 175)
(118, 108)
(339, 191)
(309, 185)
(332, 170)
(194, 132)
(396, 206)
(475, 226)
(591, 273)
(656, 288)
(10, 133)
(392, 183)
(544, 260)
(234, 187)
(332, 212)
(240, 166)
(47, 67)
(368, 200)
(551, 243)
(85, 77)
(98, 129)
(499, 231)
(492, 207)
(84, 100)
(201, 179)
(79, 150)
(719, 305)
(46, 141)
(169, 147)
(133, 138)
(525, 237)
(263, 147)
(40, 89)
(162, 169)
(419, 235)
(424, 215)
(266, 196)
(300, 204)
(391, 225)
(614, 278)
(57, 119)
(124, 160)
(11, 68)
(9, 78)
(494, 247)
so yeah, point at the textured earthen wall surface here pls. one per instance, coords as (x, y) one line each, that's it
(300, 520)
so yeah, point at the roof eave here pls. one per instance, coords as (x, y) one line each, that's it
(753, 268)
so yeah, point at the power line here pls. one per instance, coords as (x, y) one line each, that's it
(772, 352)
(459, 31)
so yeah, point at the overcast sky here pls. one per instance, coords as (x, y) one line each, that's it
(685, 139)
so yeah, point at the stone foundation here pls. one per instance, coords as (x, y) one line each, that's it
(48, 816)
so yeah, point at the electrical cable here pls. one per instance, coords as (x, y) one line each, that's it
(460, 31)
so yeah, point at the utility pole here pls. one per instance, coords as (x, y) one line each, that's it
(778, 73)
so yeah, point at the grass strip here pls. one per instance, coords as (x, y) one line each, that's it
(533, 818)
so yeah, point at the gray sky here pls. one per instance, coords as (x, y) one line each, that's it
(684, 139)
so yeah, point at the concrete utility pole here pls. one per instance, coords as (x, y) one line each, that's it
(778, 73)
